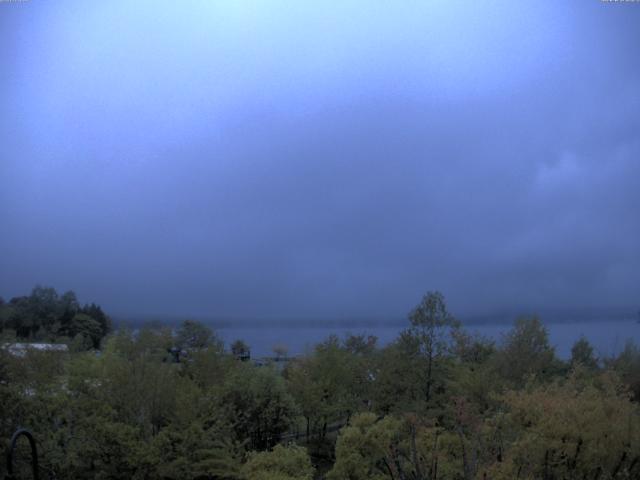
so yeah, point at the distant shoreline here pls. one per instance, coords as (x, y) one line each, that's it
(560, 316)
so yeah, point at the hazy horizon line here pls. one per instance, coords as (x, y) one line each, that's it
(546, 314)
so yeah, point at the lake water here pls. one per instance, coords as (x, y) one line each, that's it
(607, 338)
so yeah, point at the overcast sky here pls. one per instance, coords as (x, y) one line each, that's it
(321, 159)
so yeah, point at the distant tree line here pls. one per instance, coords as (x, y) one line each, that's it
(438, 403)
(44, 315)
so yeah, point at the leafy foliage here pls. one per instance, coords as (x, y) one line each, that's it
(281, 463)
(582, 354)
(46, 316)
(436, 403)
(526, 351)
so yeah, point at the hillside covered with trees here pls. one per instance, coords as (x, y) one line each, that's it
(437, 403)
(44, 315)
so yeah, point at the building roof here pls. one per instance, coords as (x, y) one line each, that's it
(19, 349)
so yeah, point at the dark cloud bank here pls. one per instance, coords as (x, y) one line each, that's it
(315, 162)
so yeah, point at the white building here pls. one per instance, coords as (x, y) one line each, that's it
(20, 349)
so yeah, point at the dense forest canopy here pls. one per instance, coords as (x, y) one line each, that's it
(44, 315)
(436, 403)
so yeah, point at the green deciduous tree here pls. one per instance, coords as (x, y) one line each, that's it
(526, 351)
(86, 327)
(400, 376)
(368, 448)
(282, 463)
(432, 326)
(196, 451)
(582, 354)
(195, 335)
(330, 385)
(46, 316)
(240, 349)
(257, 403)
(627, 365)
(572, 430)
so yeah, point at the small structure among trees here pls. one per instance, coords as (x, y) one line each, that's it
(281, 351)
(21, 349)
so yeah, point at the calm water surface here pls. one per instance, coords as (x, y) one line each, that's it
(608, 338)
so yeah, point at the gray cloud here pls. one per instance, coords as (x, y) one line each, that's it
(321, 161)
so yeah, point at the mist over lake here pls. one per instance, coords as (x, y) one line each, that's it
(607, 337)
